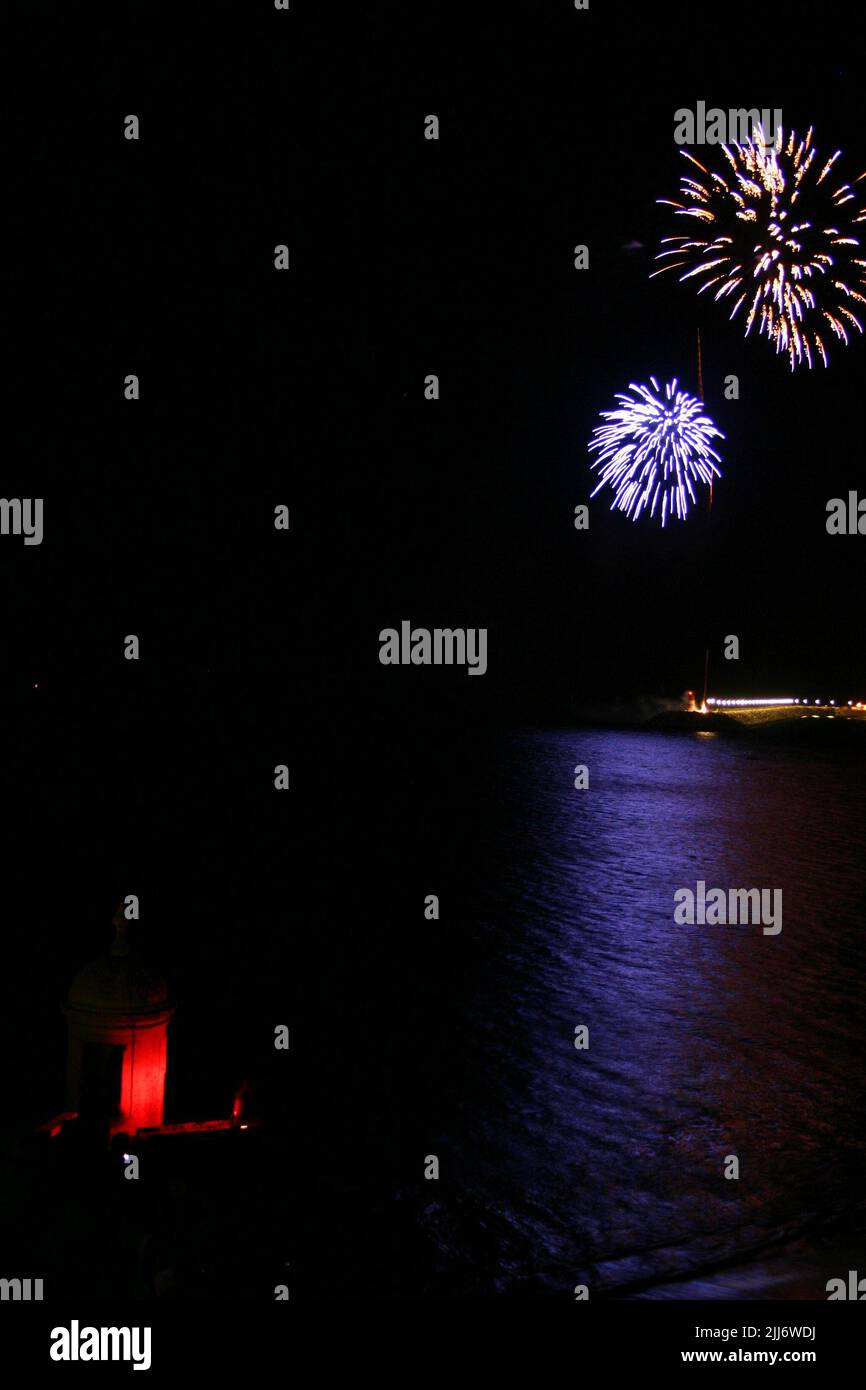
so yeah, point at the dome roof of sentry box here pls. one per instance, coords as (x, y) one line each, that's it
(119, 983)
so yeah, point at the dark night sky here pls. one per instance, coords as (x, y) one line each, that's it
(408, 257)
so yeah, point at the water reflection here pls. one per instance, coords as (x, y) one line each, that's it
(705, 1041)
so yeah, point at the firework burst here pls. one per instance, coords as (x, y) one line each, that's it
(653, 450)
(780, 243)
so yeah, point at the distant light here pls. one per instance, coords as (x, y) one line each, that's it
(752, 703)
(780, 702)
(243, 1126)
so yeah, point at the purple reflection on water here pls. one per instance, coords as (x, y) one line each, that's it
(607, 1165)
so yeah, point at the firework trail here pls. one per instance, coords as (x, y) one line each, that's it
(653, 450)
(780, 242)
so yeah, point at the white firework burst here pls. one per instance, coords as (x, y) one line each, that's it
(654, 449)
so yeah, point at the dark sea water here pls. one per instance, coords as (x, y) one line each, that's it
(455, 1037)
(605, 1166)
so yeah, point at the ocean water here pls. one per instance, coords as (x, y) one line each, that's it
(605, 1166)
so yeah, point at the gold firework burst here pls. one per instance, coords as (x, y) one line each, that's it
(780, 242)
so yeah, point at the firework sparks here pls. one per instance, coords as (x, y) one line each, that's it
(654, 449)
(780, 242)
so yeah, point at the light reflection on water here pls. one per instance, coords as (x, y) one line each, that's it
(705, 1041)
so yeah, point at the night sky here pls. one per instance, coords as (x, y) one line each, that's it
(408, 257)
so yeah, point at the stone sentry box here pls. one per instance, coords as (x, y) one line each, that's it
(117, 1015)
